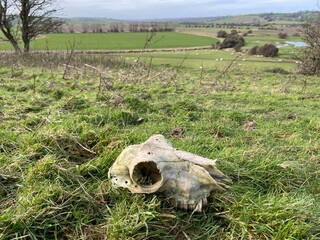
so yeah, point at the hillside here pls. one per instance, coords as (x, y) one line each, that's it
(244, 19)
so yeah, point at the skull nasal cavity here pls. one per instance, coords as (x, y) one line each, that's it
(147, 174)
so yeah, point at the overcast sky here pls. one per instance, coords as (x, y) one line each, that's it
(156, 9)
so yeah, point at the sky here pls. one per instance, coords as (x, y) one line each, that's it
(159, 9)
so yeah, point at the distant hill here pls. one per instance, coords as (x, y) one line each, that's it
(178, 20)
(261, 18)
(90, 20)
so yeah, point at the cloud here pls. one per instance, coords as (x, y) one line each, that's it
(139, 9)
(141, 4)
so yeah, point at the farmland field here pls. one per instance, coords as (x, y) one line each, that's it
(115, 41)
(211, 59)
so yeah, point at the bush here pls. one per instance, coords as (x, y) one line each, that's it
(232, 40)
(310, 55)
(253, 51)
(221, 34)
(268, 50)
(237, 47)
(234, 31)
(282, 35)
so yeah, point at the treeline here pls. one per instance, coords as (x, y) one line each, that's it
(261, 26)
(116, 27)
(224, 25)
(153, 27)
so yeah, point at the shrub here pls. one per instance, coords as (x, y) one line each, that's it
(234, 31)
(254, 50)
(283, 35)
(268, 50)
(237, 47)
(232, 40)
(310, 55)
(221, 34)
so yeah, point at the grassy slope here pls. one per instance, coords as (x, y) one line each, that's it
(242, 19)
(258, 18)
(79, 20)
(259, 37)
(59, 137)
(110, 41)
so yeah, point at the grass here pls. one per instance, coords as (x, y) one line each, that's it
(58, 138)
(214, 60)
(242, 19)
(128, 41)
(115, 41)
(258, 37)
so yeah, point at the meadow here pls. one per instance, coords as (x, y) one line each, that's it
(65, 118)
(114, 41)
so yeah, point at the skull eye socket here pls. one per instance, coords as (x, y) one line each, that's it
(147, 174)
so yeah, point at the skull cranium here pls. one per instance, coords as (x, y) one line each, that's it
(156, 167)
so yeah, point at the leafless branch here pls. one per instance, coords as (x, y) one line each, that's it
(28, 19)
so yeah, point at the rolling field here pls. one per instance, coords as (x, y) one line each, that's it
(245, 19)
(115, 41)
(258, 37)
(210, 59)
(184, 39)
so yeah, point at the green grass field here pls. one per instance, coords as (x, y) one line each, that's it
(115, 41)
(211, 60)
(128, 41)
(61, 129)
(242, 19)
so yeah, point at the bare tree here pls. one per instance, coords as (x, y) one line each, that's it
(310, 55)
(7, 23)
(36, 18)
(30, 17)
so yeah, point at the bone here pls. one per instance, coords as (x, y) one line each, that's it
(156, 167)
